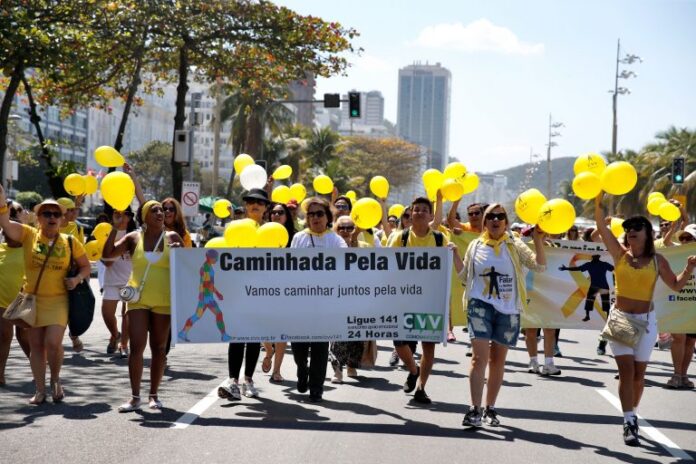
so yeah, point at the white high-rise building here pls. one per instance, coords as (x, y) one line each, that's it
(371, 120)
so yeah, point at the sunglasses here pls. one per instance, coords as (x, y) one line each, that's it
(169, 209)
(317, 214)
(474, 213)
(254, 201)
(345, 228)
(636, 226)
(494, 216)
(665, 225)
(278, 213)
(51, 214)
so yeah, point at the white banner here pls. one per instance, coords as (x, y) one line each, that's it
(190, 195)
(253, 295)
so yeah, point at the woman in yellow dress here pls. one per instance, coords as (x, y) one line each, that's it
(151, 313)
(46, 245)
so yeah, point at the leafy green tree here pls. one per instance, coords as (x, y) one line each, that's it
(28, 198)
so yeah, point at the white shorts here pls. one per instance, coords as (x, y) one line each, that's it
(111, 293)
(643, 349)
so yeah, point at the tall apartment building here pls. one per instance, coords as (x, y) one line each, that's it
(371, 120)
(423, 111)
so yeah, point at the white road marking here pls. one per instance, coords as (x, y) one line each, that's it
(648, 429)
(195, 412)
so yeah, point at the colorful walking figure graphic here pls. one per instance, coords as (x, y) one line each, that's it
(597, 270)
(206, 299)
(493, 281)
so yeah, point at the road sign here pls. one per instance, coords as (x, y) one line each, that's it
(190, 193)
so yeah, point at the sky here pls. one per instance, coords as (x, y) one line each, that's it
(515, 62)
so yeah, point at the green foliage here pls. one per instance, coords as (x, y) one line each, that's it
(28, 199)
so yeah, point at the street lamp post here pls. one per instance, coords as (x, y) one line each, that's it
(624, 74)
(552, 134)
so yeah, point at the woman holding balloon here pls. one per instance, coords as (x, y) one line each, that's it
(150, 313)
(637, 268)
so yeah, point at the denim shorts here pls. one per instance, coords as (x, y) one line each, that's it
(486, 323)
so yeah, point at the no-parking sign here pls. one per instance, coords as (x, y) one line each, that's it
(190, 194)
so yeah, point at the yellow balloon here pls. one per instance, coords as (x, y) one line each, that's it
(323, 184)
(431, 194)
(528, 204)
(303, 205)
(452, 190)
(118, 190)
(366, 213)
(616, 227)
(94, 249)
(470, 182)
(298, 192)
(221, 208)
(556, 216)
(433, 179)
(669, 212)
(74, 184)
(654, 195)
(591, 162)
(655, 204)
(217, 242)
(282, 172)
(241, 233)
(281, 194)
(396, 210)
(350, 194)
(272, 235)
(619, 178)
(91, 184)
(101, 232)
(379, 186)
(587, 185)
(108, 157)
(241, 161)
(454, 171)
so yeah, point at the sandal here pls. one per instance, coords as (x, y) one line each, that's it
(38, 398)
(154, 403)
(686, 383)
(113, 342)
(130, 406)
(77, 344)
(276, 378)
(267, 364)
(57, 392)
(674, 382)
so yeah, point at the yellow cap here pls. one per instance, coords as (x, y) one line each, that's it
(66, 203)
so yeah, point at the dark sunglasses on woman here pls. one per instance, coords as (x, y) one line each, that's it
(494, 216)
(318, 214)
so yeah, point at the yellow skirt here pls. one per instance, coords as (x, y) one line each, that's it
(163, 310)
(51, 310)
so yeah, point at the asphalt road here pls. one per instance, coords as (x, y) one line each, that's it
(565, 419)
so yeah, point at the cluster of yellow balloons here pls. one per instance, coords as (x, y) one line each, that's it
(554, 216)
(77, 184)
(454, 183)
(592, 175)
(94, 248)
(659, 206)
(245, 233)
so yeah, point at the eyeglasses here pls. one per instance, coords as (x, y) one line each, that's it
(342, 206)
(345, 228)
(638, 226)
(317, 214)
(496, 216)
(51, 214)
(278, 213)
(169, 209)
(473, 213)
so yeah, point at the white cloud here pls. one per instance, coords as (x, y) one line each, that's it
(478, 36)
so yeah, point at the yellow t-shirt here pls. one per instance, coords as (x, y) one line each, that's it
(36, 248)
(12, 272)
(415, 241)
(188, 243)
(73, 229)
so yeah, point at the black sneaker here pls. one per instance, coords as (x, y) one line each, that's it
(472, 418)
(490, 416)
(411, 380)
(630, 433)
(302, 379)
(421, 397)
(394, 359)
(315, 396)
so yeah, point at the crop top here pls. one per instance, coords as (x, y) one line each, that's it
(636, 284)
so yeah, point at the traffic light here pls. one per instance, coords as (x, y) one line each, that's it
(354, 104)
(678, 170)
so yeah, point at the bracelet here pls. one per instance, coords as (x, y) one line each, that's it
(4, 209)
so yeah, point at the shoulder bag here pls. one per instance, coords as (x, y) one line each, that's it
(80, 301)
(22, 311)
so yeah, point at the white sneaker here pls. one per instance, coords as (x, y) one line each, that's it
(533, 366)
(249, 390)
(550, 369)
(338, 376)
(229, 390)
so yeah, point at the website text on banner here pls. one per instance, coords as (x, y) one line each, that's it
(577, 290)
(253, 295)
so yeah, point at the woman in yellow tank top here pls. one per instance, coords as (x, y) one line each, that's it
(636, 269)
(151, 313)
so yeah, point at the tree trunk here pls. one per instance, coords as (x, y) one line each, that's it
(10, 92)
(254, 135)
(132, 90)
(54, 181)
(180, 117)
